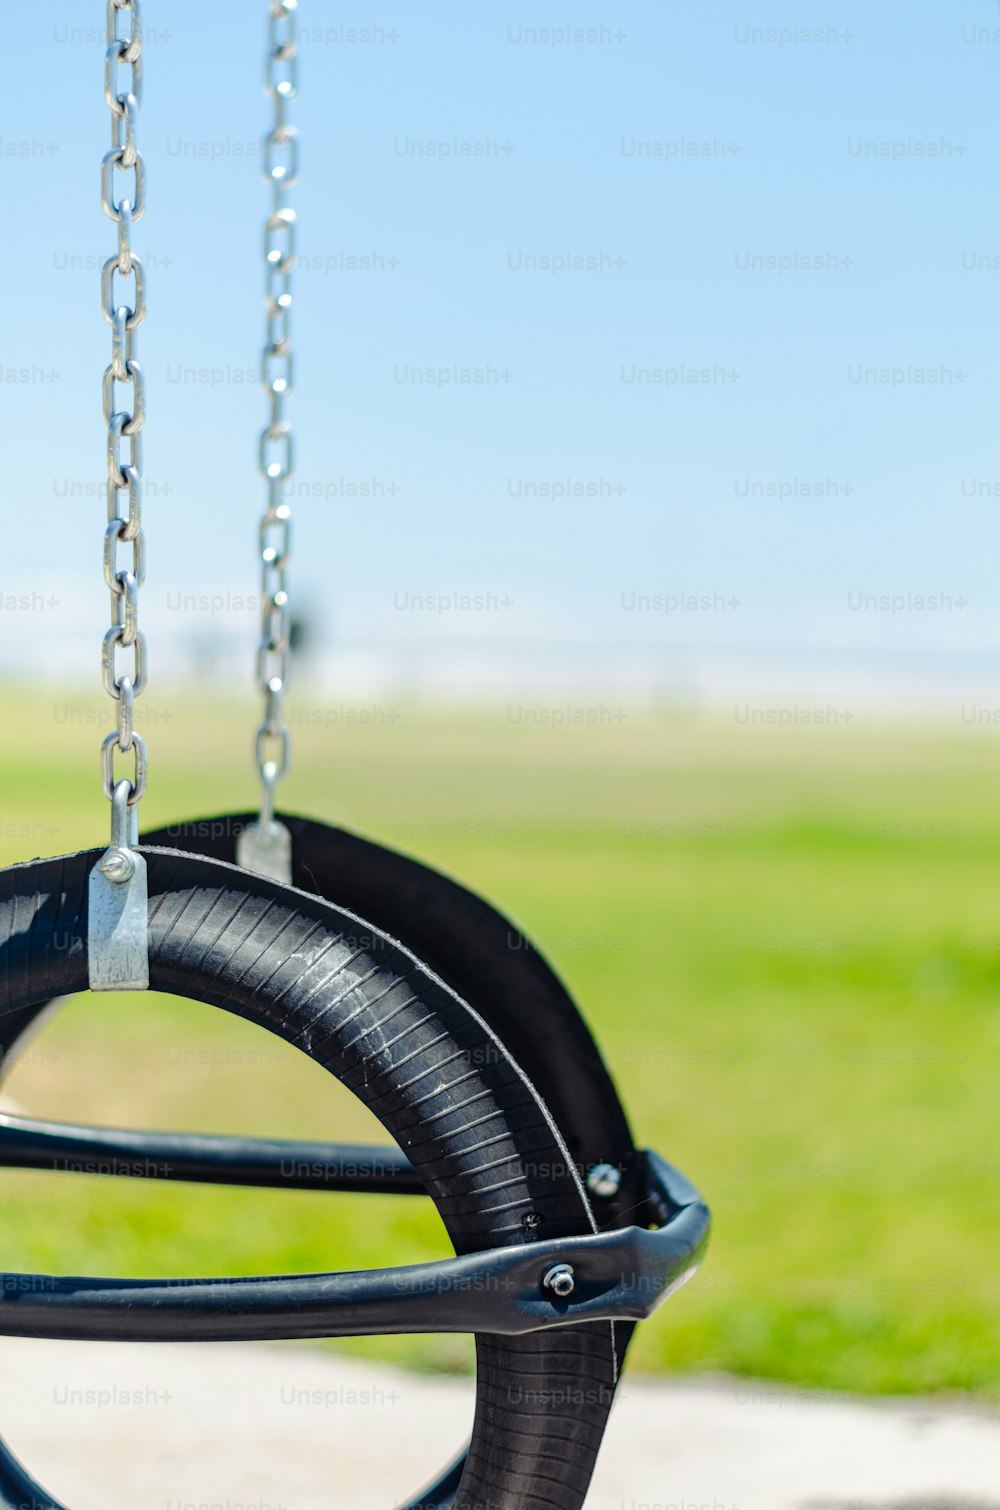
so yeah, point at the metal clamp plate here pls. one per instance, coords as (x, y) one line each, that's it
(118, 917)
(117, 938)
(266, 849)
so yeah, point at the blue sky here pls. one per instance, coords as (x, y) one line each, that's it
(463, 150)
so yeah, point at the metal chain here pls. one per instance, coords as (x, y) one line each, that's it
(277, 454)
(124, 477)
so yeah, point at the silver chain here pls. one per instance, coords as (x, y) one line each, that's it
(124, 477)
(277, 454)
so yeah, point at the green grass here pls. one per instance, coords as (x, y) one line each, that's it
(788, 943)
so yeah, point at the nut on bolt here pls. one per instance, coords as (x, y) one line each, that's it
(560, 1279)
(118, 865)
(604, 1180)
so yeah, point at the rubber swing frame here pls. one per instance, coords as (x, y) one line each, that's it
(320, 977)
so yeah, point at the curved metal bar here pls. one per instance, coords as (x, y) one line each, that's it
(199, 1158)
(619, 1275)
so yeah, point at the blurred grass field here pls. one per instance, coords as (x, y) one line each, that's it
(787, 941)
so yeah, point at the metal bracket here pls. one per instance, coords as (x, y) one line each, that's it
(118, 919)
(266, 849)
(622, 1274)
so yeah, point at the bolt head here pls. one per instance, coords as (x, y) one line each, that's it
(604, 1180)
(560, 1279)
(118, 865)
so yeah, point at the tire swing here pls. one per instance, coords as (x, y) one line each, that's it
(472, 1056)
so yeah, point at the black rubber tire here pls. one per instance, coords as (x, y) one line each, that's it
(482, 1140)
(478, 952)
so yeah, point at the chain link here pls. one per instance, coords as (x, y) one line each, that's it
(277, 449)
(124, 476)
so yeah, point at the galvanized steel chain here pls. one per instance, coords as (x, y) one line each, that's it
(277, 454)
(124, 313)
